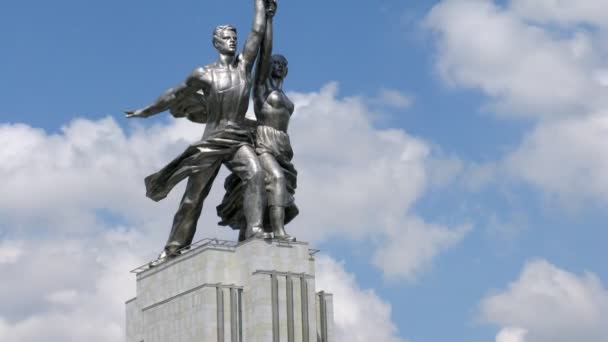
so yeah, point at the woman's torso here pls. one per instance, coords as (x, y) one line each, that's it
(275, 111)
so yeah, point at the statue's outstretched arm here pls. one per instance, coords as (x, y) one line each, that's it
(252, 44)
(264, 63)
(197, 80)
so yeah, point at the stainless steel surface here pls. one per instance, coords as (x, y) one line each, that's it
(273, 110)
(216, 94)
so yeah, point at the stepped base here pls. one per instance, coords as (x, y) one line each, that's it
(255, 291)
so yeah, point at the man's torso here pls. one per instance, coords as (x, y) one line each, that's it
(228, 96)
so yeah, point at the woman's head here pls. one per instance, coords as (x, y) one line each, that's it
(278, 67)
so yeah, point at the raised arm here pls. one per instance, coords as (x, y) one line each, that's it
(198, 79)
(264, 64)
(252, 45)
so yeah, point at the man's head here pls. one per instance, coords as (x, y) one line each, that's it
(279, 66)
(224, 39)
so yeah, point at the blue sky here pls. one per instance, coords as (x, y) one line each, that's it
(460, 149)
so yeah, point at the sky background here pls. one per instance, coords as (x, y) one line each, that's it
(452, 158)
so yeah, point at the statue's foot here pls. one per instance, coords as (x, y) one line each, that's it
(283, 236)
(162, 257)
(255, 233)
(286, 238)
(172, 250)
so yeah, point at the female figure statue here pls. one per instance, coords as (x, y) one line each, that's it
(273, 110)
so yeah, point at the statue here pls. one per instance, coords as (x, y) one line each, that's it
(273, 110)
(217, 95)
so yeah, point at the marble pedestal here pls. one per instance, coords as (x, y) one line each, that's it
(255, 291)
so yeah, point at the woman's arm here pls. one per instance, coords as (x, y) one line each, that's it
(264, 64)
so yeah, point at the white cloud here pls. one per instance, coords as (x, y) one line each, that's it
(564, 12)
(71, 182)
(545, 59)
(65, 193)
(601, 76)
(359, 315)
(363, 174)
(64, 328)
(413, 245)
(478, 175)
(10, 251)
(355, 181)
(566, 158)
(525, 68)
(550, 305)
(97, 271)
(511, 335)
(360, 182)
(63, 297)
(63, 180)
(394, 98)
(69, 291)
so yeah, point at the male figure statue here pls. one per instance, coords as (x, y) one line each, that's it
(218, 95)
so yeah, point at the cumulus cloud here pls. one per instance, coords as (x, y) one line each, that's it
(63, 181)
(360, 182)
(356, 181)
(511, 335)
(363, 174)
(524, 67)
(563, 12)
(394, 98)
(544, 59)
(93, 309)
(69, 291)
(567, 158)
(360, 315)
(73, 206)
(10, 251)
(412, 247)
(548, 304)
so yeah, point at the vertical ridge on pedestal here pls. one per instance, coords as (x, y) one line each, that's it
(290, 323)
(240, 313)
(234, 336)
(304, 298)
(275, 308)
(323, 314)
(220, 313)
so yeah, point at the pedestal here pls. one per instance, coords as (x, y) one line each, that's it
(255, 291)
